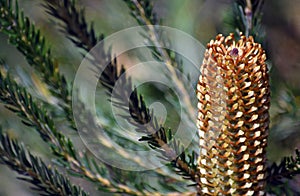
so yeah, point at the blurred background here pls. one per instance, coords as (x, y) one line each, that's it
(203, 20)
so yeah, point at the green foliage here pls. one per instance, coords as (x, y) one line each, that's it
(142, 11)
(18, 100)
(137, 107)
(245, 16)
(76, 26)
(44, 179)
(29, 41)
(185, 164)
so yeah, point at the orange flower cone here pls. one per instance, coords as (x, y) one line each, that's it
(233, 119)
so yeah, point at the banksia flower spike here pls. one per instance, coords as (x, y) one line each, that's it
(233, 119)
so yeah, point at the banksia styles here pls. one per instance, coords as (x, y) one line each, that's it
(233, 120)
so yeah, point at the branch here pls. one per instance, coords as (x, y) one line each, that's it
(19, 101)
(142, 11)
(48, 181)
(32, 45)
(76, 27)
(138, 110)
(163, 141)
(143, 120)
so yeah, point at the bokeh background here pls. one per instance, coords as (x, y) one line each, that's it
(202, 19)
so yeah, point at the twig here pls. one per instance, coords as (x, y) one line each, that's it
(164, 56)
(111, 74)
(34, 170)
(28, 40)
(18, 100)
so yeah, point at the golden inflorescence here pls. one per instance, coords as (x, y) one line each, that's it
(233, 120)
